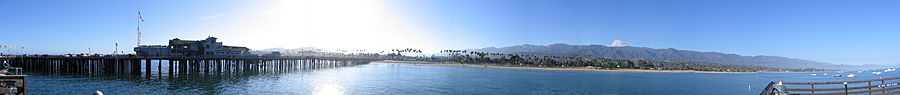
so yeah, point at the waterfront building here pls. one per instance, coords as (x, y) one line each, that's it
(206, 47)
(156, 50)
(273, 54)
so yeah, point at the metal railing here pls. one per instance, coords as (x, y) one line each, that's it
(14, 71)
(881, 86)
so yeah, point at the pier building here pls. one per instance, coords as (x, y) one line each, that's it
(206, 47)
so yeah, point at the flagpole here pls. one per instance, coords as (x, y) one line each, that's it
(139, 19)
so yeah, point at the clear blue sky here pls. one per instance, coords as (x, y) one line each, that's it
(833, 31)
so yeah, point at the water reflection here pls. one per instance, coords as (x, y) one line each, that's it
(329, 89)
(213, 81)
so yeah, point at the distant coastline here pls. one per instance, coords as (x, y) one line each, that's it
(451, 63)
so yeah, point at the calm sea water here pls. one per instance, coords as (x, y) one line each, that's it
(393, 79)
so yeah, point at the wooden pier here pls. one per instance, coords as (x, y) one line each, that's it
(140, 65)
(881, 86)
(177, 68)
(148, 65)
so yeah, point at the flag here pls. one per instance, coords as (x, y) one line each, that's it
(140, 17)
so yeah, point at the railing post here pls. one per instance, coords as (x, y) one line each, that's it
(882, 86)
(870, 87)
(812, 88)
(846, 91)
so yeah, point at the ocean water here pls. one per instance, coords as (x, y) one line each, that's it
(411, 79)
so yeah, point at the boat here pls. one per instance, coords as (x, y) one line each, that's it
(851, 75)
(889, 70)
(877, 73)
(825, 74)
(838, 75)
(858, 71)
(812, 74)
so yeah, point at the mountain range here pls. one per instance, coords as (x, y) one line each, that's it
(628, 52)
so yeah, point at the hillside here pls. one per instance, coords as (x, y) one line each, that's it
(627, 52)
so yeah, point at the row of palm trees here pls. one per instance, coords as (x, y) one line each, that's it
(399, 52)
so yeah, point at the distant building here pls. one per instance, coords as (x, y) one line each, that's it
(273, 54)
(158, 50)
(206, 47)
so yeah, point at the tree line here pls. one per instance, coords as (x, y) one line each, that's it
(475, 57)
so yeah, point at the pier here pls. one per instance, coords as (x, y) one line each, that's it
(881, 86)
(159, 65)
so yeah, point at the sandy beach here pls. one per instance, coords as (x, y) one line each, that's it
(550, 68)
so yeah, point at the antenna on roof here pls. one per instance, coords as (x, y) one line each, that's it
(140, 19)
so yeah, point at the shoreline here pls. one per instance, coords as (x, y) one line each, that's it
(552, 68)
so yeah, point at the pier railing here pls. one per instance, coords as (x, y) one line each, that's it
(880, 86)
(14, 71)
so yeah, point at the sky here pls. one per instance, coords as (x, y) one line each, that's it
(832, 31)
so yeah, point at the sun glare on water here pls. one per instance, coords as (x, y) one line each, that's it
(328, 90)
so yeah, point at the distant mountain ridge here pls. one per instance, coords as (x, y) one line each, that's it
(628, 52)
